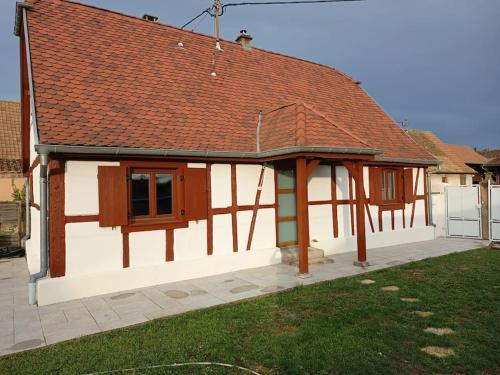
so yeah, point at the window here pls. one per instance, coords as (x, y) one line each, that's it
(152, 194)
(444, 180)
(463, 179)
(388, 185)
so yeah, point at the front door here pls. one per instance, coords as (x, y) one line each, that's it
(287, 217)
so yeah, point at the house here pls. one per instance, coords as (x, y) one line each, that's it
(10, 150)
(460, 165)
(155, 157)
(493, 166)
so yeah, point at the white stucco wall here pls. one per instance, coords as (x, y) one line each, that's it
(91, 249)
(82, 196)
(147, 248)
(221, 185)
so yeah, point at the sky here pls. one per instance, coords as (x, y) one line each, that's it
(432, 64)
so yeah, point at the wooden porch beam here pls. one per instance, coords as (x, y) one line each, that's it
(311, 166)
(302, 215)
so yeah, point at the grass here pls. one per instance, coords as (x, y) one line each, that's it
(337, 327)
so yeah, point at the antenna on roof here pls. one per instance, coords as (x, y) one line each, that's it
(217, 10)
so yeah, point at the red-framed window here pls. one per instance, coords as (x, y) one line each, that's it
(152, 194)
(389, 186)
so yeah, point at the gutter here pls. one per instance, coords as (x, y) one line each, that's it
(32, 294)
(18, 19)
(412, 161)
(133, 151)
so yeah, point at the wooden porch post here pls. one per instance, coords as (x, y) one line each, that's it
(302, 215)
(360, 216)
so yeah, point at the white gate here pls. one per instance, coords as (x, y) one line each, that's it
(494, 212)
(463, 211)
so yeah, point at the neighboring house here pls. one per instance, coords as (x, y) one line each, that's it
(472, 159)
(460, 165)
(167, 159)
(10, 149)
(493, 166)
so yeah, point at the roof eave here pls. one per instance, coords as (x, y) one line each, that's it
(408, 161)
(133, 151)
(18, 20)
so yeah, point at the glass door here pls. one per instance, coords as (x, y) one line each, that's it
(287, 217)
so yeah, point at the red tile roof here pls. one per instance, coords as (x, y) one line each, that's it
(467, 154)
(452, 157)
(10, 137)
(105, 79)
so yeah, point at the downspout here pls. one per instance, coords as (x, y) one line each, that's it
(32, 295)
(429, 198)
(259, 124)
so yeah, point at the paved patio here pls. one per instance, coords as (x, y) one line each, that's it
(24, 327)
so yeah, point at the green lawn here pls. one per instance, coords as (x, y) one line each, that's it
(337, 327)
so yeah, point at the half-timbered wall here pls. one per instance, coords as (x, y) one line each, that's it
(332, 213)
(94, 255)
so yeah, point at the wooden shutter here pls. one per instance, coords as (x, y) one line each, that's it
(408, 185)
(375, 185)
(195, 183)
(113, 197)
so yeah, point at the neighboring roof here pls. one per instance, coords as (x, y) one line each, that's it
(449, 155)
(490, 153)
(106, 79)
(10, 137)
(467, 154)
(493, 162)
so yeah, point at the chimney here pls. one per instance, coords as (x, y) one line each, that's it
(245, 40)
(149, 17)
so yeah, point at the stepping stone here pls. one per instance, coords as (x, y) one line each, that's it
(438, 351)
(198, 292)
(272, 288)
(367, 281)
(424, 314)
(410, 299)
(390, 288)
(243, 288)
(27, 344)
(439, 331)
(122, 296)
(177, 294)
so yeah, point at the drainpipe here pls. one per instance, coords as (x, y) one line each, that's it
(43, 232)
(259, 124)
(27, 214)
(429, 199)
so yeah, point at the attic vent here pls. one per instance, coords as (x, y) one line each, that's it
(149, 17)
(245, 40)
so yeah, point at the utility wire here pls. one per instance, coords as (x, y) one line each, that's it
(211, 10)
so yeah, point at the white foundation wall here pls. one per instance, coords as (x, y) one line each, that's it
(33, 244)
(94, 255)
(321, 216)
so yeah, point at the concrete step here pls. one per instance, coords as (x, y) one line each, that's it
(315, 255)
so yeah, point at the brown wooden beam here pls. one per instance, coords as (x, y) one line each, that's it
(210, 219)
(234, 209)
(302, 215)
(57, 219)
(311, 166)
(255, 207)
(360, 216)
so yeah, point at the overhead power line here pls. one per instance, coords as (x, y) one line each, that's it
(219, 10)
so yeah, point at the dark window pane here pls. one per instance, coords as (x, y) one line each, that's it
(163, 193)
(140, 194)
(391, 188)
